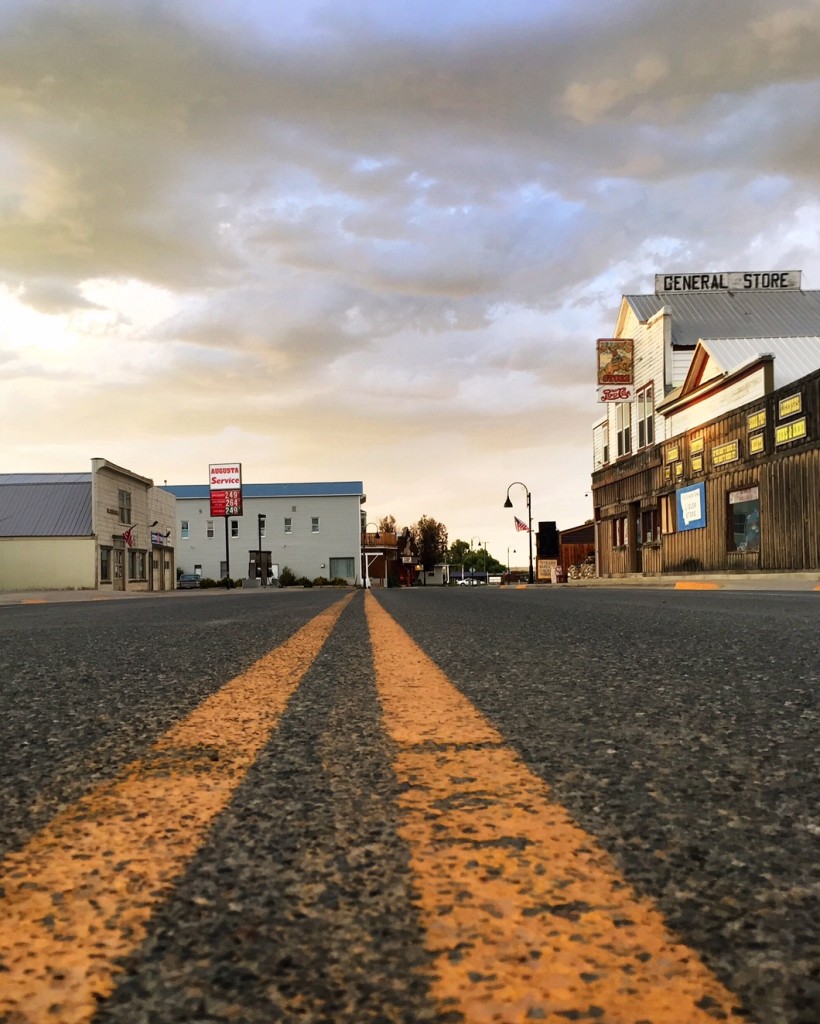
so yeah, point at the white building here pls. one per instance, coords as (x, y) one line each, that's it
(313, 529)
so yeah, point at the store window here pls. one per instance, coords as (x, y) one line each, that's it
(341, 568)
(105, 565)
(184, 529)
(209, 528)
(650, 526)
(136, 565)
(646, 416)
(623, 425)
(619, 532)
(124, 502)
(605, 443)
(744, 520)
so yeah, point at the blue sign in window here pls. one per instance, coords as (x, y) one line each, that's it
(691, 502)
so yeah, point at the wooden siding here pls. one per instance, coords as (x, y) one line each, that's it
(787, 475)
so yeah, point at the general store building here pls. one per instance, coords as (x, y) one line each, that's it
(707, 458)
(313, 529)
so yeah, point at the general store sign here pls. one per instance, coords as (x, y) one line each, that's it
(737, 281)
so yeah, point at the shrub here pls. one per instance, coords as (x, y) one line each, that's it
(338, 581)
(303, 581)
(287, 577)
(321, 581)
(206, 582)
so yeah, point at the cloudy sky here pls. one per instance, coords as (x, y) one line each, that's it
(359, 239)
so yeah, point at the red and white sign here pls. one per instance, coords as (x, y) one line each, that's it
(616, 393)
(224, 476)
(225, 481)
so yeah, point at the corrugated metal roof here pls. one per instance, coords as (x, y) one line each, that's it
(45, 505)
(307, 490)
(793, 357)
(45, 478)
(696, 315)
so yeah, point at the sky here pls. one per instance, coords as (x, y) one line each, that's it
(358, 240)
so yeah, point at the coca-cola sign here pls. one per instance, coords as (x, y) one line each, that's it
(616, 393)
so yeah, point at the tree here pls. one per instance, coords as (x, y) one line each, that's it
(387, 524)
(474, 560)
(430, 539)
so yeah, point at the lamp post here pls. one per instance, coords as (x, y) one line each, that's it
(472, 568)
(366, 558)
(484, 546)
(509, 504)
(508, 560)
(260, 522)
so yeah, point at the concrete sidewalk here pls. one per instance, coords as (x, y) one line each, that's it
(796, 581)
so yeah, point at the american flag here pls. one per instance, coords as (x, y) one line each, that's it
(521, 526)
(128, 537)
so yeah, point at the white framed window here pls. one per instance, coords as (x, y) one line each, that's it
(605, 443)
(288, 524)
(314, 524)
(185, 529)
(209, 528)
(234, 527)
(623, 426)
(645, 402)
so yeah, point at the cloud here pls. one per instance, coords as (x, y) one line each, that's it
(358, 228)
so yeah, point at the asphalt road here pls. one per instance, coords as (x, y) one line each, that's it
(435, 805)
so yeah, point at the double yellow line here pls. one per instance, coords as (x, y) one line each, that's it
(526, 917)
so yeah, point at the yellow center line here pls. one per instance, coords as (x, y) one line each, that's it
(80, 893)
(527, 917)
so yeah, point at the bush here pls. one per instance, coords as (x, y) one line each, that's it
(206, 582)
(303, 581)
(338, 581)
(287, 577)
(321, 581)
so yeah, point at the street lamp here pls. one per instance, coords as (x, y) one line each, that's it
(509, 504)
(366, 558)
(481, 544)
(260, 522)
(472, 568)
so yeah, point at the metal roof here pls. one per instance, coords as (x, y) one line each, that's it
(793, 357)
(697, 315)
(45, 505)
(348, 488)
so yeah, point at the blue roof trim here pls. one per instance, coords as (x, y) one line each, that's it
(348, 488)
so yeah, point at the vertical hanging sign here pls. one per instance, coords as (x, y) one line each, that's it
(226, 489)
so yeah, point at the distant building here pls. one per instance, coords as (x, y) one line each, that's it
(708, 455)
(313, 529)
(109, 529)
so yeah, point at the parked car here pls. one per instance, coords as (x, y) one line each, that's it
(188, 581)
(468, 581)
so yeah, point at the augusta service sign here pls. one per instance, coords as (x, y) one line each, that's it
(226, 489)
